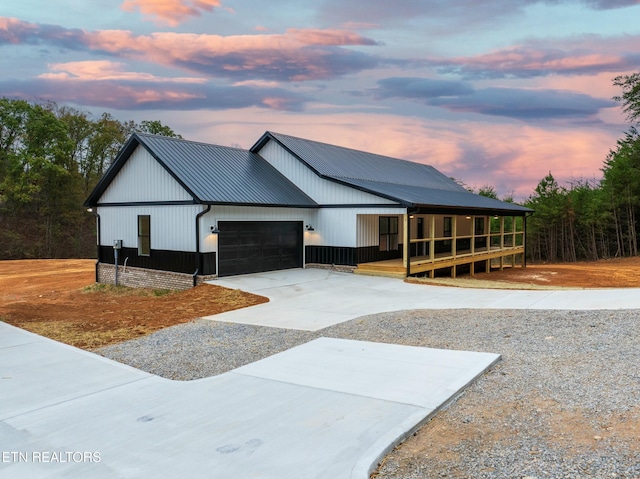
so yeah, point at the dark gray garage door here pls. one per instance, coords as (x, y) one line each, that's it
(257, 246)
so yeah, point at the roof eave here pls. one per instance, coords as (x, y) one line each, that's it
(261, 142)
(266, 205)
(112, 171)
(195, 197)
(520, 211)
(121, 158)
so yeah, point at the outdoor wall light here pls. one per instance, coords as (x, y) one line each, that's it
(468, 217)
(89, 210)
(214, 229)
(310, 228)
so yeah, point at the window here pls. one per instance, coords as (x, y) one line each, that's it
(144, 235)
(448, 227)
(479, 228)
(388, 233)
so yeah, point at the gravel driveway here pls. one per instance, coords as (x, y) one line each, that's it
(563, 403)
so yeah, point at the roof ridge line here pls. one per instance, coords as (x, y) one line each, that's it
(184, 140)
(351, 149)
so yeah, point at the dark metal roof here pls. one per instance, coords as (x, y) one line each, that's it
(418, 196)
(212, 174)
(412, 184)
(338, 162)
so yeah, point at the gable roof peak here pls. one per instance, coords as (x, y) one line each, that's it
(342, 163)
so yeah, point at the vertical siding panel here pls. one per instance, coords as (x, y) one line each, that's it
(142, 178)
(172, 227)
(368, 226)
(320, 190)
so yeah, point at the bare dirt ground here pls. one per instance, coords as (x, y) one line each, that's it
(613, 273)
(59, 299)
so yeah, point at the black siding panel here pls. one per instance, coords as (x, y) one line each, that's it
(208, 263)
(368, 254)
(348, 256)
(330, 255)
(165, 260)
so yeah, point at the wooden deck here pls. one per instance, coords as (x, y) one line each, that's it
(424, 264)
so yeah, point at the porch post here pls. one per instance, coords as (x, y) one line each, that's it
(432, 245)
(524, 240)
(406, 249)
(473, 235)
(501, 243)
(454, 242)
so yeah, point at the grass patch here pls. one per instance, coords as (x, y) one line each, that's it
(126, 290)
(82, 336)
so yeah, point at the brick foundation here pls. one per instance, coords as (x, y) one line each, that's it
(146, 278)
(340, 268)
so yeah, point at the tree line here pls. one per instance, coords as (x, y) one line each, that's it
(592, 219)
(51, 158)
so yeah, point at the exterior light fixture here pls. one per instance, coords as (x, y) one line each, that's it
(496, 217)
(89, 210)
(310, 228)
(214, 229)
(468, 217)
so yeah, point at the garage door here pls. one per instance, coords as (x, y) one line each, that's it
(257, 246)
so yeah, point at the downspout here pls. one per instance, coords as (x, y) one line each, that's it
(198, 257)
(115, 256)
(90, 210)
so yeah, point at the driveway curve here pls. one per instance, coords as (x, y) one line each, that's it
(312, 299)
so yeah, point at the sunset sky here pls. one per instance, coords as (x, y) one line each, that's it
(491, 92)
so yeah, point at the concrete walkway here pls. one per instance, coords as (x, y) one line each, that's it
(330, 408)
(313, 299)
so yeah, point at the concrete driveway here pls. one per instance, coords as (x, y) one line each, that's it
(313, 299)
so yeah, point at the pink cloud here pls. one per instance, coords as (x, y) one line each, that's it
(257, 83)
(101, 70)
(170, 12)
(526, 60)
(13, 30)
(329, 37)
(588, 54)
(296, 55)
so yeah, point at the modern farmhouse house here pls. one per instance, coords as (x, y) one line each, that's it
(175, 212)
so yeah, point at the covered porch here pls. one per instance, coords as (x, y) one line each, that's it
(446, 243)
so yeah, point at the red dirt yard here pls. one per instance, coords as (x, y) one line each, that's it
(613, 273)
(59, 299)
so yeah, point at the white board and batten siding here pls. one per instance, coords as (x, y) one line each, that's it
(143, 179)
(368, 226)
(323, 192)
(352, 227)
(172, 227)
